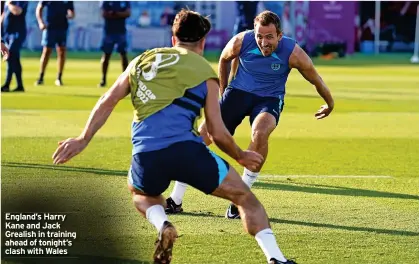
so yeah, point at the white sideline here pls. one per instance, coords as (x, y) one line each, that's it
(328, 176)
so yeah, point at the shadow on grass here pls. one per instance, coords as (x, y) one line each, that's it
(70, 260)
(332, 190)
(348, 228)
(65, 168)
(307, 188)
(318, 225)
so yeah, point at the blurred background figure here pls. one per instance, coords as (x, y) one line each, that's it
(115, 14)
(405, 13)
(396, 28)
(286, 20)
(54, 34)
(316, 26)
(246, 12)
(144, 20)
(167, 17)
(13, 33)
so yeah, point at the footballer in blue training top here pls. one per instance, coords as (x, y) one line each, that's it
(114, 33)
(54, 34)
(14, 34)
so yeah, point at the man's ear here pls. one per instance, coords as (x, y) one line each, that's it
(280, 35)
(202, 44)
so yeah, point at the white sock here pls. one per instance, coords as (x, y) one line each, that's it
(156, 215)
(267, 243)
(249, 177)
(178, 192)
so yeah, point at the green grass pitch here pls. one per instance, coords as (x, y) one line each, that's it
(340, 190)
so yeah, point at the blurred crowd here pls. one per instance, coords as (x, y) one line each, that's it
(397, 21)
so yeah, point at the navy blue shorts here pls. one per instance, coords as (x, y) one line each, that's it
(54, 37)
(187, 161)
(14, 41)
(110, 40)
(237, 104)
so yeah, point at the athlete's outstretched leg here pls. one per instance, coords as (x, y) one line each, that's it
(253, 215)
(262, 127)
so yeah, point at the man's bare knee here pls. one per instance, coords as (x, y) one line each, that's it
(61, 51)
(142, 201)
(46, 52)
(244, 198)
(105, 57)
(262, 127)
(260, 137)
(232, 187)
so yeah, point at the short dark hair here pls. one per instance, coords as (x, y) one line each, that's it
(268, 17)
(190, 26)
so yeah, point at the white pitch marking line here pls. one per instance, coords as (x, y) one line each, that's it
(328, 176)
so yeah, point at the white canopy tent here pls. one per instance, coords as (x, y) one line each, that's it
(415, 57)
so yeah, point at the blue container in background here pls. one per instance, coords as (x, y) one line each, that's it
(367, 47)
